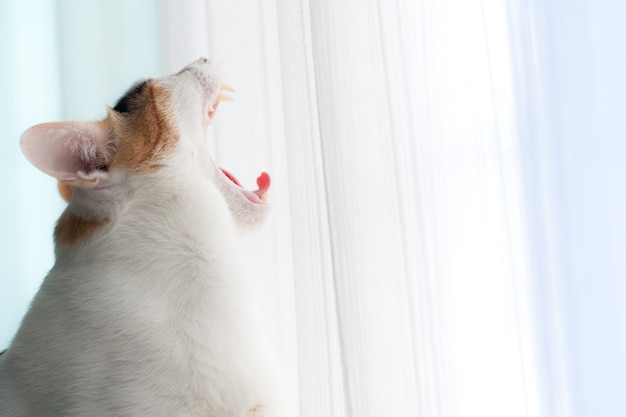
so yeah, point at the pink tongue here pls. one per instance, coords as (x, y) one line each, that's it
(263, 182)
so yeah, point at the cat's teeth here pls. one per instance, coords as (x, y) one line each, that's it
(224, 97)
(211, 108)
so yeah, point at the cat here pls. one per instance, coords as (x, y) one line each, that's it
(149, 308)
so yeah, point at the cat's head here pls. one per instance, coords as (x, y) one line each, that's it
(159, 125)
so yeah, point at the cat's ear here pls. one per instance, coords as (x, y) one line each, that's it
(72, 152)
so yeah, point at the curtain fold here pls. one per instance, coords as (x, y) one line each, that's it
(354, 330)
(319, 356)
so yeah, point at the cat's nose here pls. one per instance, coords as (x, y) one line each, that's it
(195, 64)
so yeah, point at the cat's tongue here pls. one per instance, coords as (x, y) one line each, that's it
(263, 182)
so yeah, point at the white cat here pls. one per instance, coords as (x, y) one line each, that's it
(148, 309)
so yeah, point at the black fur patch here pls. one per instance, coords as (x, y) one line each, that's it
(130, 101)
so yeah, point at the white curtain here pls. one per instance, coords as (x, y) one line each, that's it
(399, 127)
(447, 182)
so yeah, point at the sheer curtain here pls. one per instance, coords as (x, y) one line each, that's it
(398, 124)
(447, 182)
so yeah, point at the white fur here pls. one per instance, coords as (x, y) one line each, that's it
(155, 313)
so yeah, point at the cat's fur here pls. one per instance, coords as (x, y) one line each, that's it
(148, 309)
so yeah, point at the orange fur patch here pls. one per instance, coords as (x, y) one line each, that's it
(142, 139)
(147, 135)
(71, 229)
(66, 191)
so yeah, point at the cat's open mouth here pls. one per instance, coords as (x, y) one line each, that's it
(263, 181)
(256, 196)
